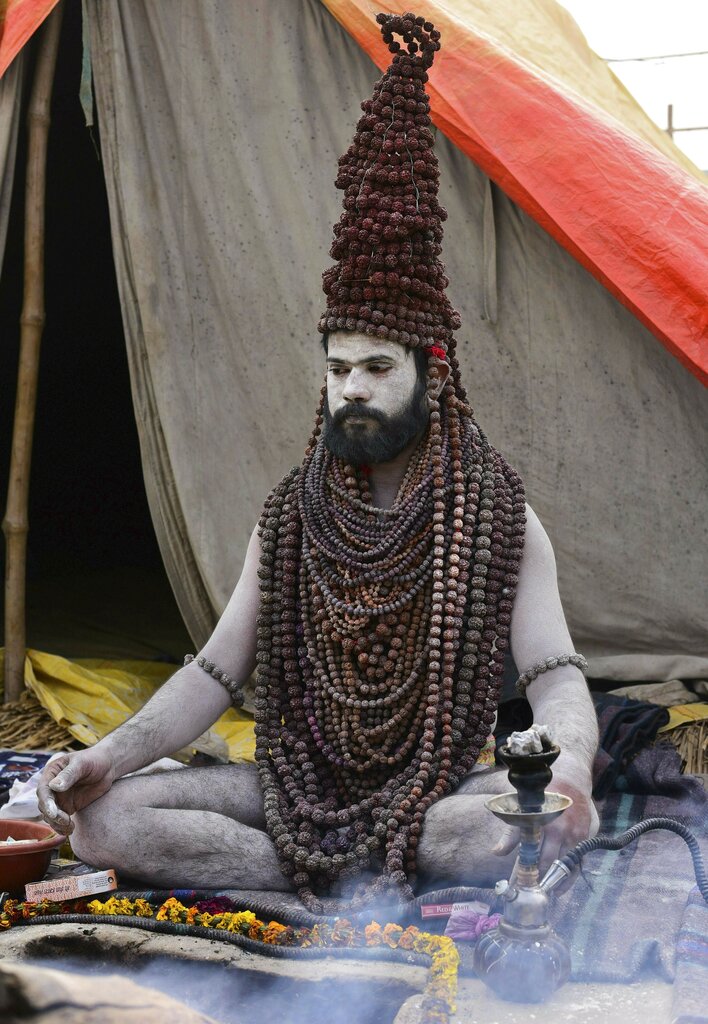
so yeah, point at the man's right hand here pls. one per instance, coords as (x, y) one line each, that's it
(72, 782)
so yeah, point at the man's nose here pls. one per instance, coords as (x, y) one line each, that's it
(356, 389)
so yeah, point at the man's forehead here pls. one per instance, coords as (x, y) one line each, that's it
(353, 347)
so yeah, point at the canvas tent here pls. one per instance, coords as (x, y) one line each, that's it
(576, 251)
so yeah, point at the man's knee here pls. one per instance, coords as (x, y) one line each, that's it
(446, 828)
(98, 835)
(457, 842)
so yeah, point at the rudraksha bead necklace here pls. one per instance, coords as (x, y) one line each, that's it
(381, 642)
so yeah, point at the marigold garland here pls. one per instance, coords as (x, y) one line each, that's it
(440, 989)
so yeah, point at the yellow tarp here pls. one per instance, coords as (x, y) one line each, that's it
(90, 698)
(684, 714)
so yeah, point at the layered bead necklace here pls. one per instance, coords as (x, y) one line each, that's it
(381, 642)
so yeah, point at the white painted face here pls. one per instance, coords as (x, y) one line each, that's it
(369, 372)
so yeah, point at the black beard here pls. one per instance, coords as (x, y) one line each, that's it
(377, 437)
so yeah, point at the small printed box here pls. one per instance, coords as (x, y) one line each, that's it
(444, 909)
(71, 887)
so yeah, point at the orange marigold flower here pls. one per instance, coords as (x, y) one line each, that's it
(320, 935)
(272, 932)
(391, 934)
(408, 938)
(343, 932)
(373, 934)
(11, 912)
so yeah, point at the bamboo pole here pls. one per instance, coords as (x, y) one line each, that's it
(15, 524)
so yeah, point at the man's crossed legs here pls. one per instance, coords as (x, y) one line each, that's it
(205, 828)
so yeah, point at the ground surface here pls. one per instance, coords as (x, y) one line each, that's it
(84, 948)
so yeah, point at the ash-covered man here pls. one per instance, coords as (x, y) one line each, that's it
(386, 580)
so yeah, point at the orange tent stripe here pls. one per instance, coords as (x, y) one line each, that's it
(22, 19)
(634, 218)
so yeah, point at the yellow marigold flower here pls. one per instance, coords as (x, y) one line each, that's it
(111, 906)
(192, 914)
(143, 908)
(434, 1014)
(170, 910)
(421, 943)
(245, 917)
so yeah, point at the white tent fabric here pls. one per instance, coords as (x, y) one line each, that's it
(220, 128)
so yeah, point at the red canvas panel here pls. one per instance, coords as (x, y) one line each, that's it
(632, 216)
(22, 19)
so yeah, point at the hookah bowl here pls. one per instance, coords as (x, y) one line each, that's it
(522, 959)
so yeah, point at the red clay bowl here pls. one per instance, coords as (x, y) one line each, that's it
(28, 862)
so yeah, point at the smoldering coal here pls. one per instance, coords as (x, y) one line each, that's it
(235, 995)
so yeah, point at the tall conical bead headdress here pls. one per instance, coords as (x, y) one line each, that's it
(388, 280)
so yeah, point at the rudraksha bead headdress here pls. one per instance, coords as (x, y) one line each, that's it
(388, 280)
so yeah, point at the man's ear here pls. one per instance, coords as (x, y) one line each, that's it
(443, 374)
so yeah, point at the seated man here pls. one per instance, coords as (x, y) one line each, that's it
(386, 579)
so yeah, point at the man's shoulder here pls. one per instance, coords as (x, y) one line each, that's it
(537, 549)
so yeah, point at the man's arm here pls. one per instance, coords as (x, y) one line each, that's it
(182, 709)
(558, 698)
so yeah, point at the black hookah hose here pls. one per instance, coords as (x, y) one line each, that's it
(573, 859)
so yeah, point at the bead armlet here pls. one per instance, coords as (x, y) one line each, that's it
(547, 666)
(234, 690)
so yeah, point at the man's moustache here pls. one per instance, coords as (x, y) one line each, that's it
(353, 415)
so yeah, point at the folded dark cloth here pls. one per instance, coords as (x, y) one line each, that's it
(656, 771)
(18, 766)
(626, 727)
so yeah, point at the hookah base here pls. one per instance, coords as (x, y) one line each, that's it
(522, 965)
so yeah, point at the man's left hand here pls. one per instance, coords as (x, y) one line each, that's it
(580, 821)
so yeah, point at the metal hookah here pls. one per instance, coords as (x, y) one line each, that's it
(522, 959)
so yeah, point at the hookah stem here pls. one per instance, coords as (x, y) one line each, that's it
(573, 858)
